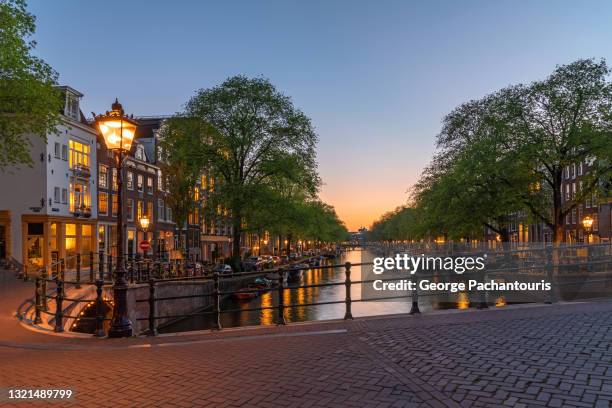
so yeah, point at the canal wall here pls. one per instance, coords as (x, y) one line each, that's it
(195, 296)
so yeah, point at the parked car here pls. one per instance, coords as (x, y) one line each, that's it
(293, 256)
(223, 269)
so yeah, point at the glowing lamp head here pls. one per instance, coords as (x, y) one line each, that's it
(117, 129)
(144, 223)
(587, 222)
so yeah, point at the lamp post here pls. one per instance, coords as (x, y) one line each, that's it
(118, 131)
(587, 223)
(144, 224)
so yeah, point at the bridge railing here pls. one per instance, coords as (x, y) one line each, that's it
(571, 269)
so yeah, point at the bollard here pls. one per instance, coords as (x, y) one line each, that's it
(152, 311)
(217, 303)
(91, 267)
(78, 271)
(347, 283)
(38, 305)
(99, 310)
(59, 313)
(281, 298)
(101, 265)
(414, 309)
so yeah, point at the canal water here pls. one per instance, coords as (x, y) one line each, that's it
(295, 295)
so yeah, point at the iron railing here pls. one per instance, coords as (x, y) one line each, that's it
(558, 264)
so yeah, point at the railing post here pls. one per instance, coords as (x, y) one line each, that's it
(152, 311)
(347, 283)
(281, 298)
(217, 302)
(101, 265)
(91, 267)
(109, 265)
(38, 305)
(45, 276)
(414, 309)
(59, 313)
(552, 298)
(78, 271)
(99, 309)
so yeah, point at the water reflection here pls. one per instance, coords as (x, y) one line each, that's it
(296, 295)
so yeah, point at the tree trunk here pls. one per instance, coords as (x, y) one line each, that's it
(558, 216)
(236, 238)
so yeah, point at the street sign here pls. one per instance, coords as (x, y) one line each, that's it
(144, 245)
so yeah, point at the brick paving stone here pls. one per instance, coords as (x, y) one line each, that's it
(549, 356)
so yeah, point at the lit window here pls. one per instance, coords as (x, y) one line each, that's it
(102, 176)
(79, 154)
(102, 203)
(150, 210)
(150, 185)
(115, 208)
(140, 182)
(80, 199)
(140, 209)
(115, 184)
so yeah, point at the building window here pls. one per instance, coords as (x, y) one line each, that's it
(595, 221)
(140, 182)
(115, 208)
(160, 181)
(102, 176)
(160, 209)
(150, 185)
(573, 216)
(115, 185)
(56, 195)
(58, 149)
(102, 203)
(79, 154)
(130, 209)
(140, 209)
(64, 196)
(64, 152)
(150, 210)
(580, 169)
(80, 199)
(72, 107)
(573, 171)
(168, 214)
(130, 180)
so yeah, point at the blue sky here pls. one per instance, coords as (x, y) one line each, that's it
(376, 77)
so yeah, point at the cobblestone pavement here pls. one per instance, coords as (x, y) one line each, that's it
(540, 356)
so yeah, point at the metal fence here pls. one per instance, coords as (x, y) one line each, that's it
(567, 265)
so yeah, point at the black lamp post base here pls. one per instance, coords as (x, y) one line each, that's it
(121, 328)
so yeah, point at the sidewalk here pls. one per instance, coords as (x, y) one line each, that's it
(540, 355)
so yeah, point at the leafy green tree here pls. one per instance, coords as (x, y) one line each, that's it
(508, 151)
(180, 174)
(29, 101)
(260, 140)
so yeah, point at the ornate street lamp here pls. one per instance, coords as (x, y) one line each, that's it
(118, 131)
(587, 223)
(144, 223)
